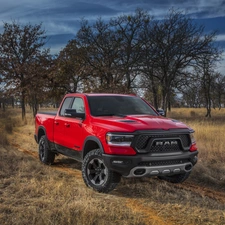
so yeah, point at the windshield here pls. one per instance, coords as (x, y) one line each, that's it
(118, 106)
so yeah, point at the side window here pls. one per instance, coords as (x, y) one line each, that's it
(78, 104)
(66, 105)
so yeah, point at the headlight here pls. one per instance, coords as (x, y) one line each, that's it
(119, 139)
(192, 138)
(193, 146)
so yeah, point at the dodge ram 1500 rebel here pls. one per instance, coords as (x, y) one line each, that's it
(116, 135)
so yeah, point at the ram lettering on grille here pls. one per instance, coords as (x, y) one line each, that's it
(162, 142)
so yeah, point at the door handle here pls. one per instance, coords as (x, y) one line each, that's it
(67, 124)
(56, 123)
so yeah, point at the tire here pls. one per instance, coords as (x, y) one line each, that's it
(176, 179)
(46, 156)
(96, 175)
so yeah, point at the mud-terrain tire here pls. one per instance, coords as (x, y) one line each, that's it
(46, 156)
(96, 175)
(178, 178)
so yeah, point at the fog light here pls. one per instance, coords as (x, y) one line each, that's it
(117, 162)
(121, 162)
(139, 172)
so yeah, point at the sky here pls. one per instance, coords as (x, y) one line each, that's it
(61, 18)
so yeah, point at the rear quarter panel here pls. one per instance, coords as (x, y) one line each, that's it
(45, 121)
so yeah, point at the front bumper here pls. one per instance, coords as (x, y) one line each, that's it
(142, 165)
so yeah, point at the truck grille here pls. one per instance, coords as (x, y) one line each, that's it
(162, 142)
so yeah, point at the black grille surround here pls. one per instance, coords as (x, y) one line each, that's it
(164, 162)
(161, 141)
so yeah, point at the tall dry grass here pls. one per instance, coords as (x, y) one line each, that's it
(210, 138)
(10, 120)
(209, 132)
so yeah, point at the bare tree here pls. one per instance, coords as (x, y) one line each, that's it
(19, 48)
(37, 90)
(128, 29)
(205, 70)
(101, 47)
(219, 90)
(114, 50)
(71, 70)
(176, 44)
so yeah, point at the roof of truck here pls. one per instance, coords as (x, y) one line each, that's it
(101, 94)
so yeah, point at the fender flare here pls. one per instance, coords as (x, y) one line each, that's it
(38, 134)
(93, 139)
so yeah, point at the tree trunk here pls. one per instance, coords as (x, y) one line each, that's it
(128, 86)
(208, 112)
(23, 105)
(13, 102)
(219, 102)
(169, 106)
(155, 94)
(169, 102)
(208, 106)
(164, 101)
(207, 95)
(35, 109)
(35, 106)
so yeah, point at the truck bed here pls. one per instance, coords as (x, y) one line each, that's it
(46, 119)
(52, 113)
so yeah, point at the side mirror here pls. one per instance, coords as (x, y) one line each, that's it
(73, 113)
(161, 112)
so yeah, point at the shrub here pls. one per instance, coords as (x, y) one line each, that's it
(192, 113)
(9, 128)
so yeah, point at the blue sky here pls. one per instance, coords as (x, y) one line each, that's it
(61, 18)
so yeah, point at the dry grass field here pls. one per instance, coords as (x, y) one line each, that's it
(32, 193)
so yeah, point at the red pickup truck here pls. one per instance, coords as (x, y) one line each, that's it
(116, 135)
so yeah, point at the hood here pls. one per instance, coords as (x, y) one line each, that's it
(138, 122)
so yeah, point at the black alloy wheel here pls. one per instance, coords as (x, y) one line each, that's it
(45, 154)
(96, 174)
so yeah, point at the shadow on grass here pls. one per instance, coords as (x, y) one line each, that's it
(68, 162)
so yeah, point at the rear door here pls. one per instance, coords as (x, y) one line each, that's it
(60, 123)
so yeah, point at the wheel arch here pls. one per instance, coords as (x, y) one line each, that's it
(91, 143)
(41, 132)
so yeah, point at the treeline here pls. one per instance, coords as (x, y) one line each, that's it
(127, 54)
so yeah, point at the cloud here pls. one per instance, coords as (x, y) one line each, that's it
(67, 9)
(61, 19)
(220, 37)
(221, 64)
(55, 10)
(56, 16)
(158, 8)
(208, 9)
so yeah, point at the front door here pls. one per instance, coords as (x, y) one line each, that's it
(68, 131)
(74, 127)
